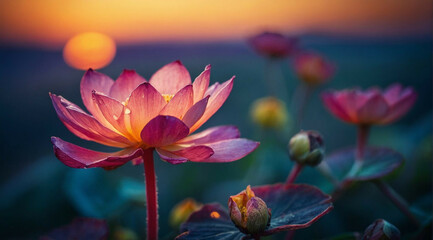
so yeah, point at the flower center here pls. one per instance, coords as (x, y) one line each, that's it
(167, 97)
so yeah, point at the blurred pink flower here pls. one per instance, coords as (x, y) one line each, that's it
(135, 114)
(313, 68)
(273, 45)
(372, 106)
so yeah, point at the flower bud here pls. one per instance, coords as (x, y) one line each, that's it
(181, 212)
(248, 212)
(307, 147)
(269, 112)
(121, 233)
(381, 230)
(313, 69)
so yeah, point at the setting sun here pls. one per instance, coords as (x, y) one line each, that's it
(89, 50)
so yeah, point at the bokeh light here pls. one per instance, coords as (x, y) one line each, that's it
(89, 50)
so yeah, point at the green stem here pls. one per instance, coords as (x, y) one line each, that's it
(303, 91)
(151, 195)
(398, 201)
(274, 79)
(362, 138)
(327, 173)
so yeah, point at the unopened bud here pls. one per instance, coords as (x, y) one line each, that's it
(313, 69)
(307, 147)
(381, 230)
(248, 212)
(181, 212)
(269, 112)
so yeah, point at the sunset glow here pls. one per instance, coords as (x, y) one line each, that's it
(89, 50)
(51, 23)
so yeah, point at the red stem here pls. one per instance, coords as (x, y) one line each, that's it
(151, 195)
(296, 169)
(361, 141)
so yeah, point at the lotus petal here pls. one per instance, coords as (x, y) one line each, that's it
(180, 103)
(84, 125)
(77, 157)
(171, 78)
(210, 135)
(201, 84)
(195, 112)
(334, 107)
(163, 131)
(194, 153)
(373, 110)
(95, 81)
(231, 149)
(144, 104)
(216, 100)
(125, 84)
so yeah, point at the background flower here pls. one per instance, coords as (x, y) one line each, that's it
(371, 106)
(312, 68)
(273, 45)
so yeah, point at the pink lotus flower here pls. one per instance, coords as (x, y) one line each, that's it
(273, 45)
(371, 106)
(134, 114)
(313, 69)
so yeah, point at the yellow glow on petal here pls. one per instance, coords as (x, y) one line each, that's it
(167, 97)
(215, 214)
(89, 50)
(181, 212)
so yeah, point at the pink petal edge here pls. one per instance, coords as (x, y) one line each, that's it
(216, 100)
(201, 84)
(170, 78)
(211, 135)
(231, 149)
(125, 84)
(77, 157)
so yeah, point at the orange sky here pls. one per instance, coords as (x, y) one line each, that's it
(50, 23)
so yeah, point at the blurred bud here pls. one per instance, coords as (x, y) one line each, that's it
(313, 69)
(248, 212)
(124, 234)
(307, 147)
(269, 112)
(181, 212)
(381, 230)
(273, 45)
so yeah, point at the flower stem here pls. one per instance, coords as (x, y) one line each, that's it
(290, 234)
(296, 169)
(325, 170)
(362, 138)
(398, 201)
(274, 79)
(151, 195)
(361, 141)
(303, 93)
